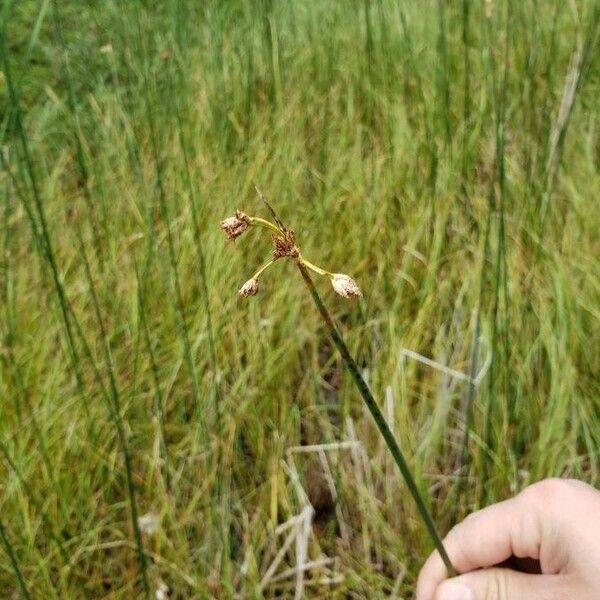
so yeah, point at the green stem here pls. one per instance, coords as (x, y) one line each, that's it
(263, 268)
(379, 419)
(265, 223)
(13, 560)
(316, 269)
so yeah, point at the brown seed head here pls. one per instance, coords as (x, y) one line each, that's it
(345, 286)
(285, 245)
(250, 288)
(236, 225)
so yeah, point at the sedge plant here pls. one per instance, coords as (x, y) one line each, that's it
(284, 246)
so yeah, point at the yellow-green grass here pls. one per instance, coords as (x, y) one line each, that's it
(444, 154)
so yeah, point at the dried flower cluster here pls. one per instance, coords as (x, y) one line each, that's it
(250, 288)
(284, 246)
(345, 286)
(236, 225)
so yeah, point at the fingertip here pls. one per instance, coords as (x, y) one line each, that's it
(432, 573)
(454, 589)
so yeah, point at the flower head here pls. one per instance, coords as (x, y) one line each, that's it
(285, 245)
(345, 286)
(250, 288)
(236, 225)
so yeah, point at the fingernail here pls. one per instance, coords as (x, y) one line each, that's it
(455, 591)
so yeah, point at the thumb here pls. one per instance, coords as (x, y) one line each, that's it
(503, 584)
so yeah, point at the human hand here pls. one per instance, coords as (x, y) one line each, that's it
(555, 522)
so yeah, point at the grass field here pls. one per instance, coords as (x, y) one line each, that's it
(445, 154)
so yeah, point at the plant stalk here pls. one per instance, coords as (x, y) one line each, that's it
(13, 560)
(266, 224)
(379, 419)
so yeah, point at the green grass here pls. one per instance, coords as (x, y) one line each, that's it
(447, 159)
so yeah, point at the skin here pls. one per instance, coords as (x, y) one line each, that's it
(551, 529)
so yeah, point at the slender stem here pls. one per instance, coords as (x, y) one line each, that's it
(265, 223)
(120, 423)
(316, 269)
(13, 560)
(263, 268)
(379, 419)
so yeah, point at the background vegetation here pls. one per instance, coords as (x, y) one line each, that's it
(446, 154)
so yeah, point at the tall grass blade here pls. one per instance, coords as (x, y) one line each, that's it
(13, 560)
(119, 423)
